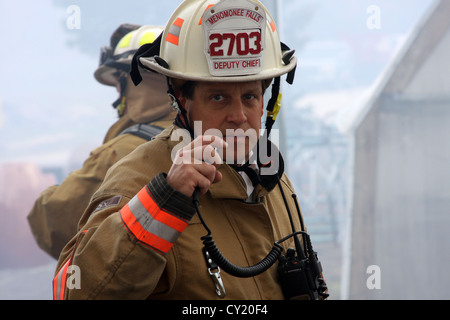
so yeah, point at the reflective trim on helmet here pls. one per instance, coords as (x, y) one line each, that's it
(173, 35)
(125, 41)
(147, 37)
(271, 24)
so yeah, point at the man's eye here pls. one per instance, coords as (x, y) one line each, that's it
(217, 98)
(249, 96)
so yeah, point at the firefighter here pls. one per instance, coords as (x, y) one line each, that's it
(210, 218)
(143, 111)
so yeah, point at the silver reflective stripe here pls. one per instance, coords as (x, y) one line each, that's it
(59, 280)
(150, 224)
(175, 30)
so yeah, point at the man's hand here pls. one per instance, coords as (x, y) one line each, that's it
(196, 165)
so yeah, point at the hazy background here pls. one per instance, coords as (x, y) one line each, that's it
(53, 112)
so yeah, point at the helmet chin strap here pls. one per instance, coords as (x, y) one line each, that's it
(273, 105)
(120, 103)
(182, 119)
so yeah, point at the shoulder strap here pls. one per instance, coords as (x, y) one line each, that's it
(143, 130)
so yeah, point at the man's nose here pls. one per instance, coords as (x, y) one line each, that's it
(236, 112)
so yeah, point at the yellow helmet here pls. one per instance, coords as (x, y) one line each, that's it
(126, 40)
(221, 40)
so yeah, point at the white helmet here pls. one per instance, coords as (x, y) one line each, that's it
(125, 46)
(221, 40)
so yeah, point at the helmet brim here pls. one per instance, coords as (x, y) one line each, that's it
(152, 64)
(107, 73)
(106, 76)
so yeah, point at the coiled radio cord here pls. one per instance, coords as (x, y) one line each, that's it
(227, 266)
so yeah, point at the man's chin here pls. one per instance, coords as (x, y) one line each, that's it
(239, 151)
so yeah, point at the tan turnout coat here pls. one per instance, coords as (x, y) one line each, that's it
(113, 264)
(55, 214)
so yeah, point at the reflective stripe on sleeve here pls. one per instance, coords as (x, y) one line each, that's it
(150, 224)
(59, 282)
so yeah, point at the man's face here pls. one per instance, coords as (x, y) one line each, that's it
(234, 109)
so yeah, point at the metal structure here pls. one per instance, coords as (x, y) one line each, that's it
(400, 203)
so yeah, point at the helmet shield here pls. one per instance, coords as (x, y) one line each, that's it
(225, 40)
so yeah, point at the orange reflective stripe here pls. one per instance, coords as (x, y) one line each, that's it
(178, 22)
(201, 19)
(149, 224)
(271, 23)
(59, 281)
(141, 234)
(173, 35)
(161, 216)
(57, 284)
(172, 39)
